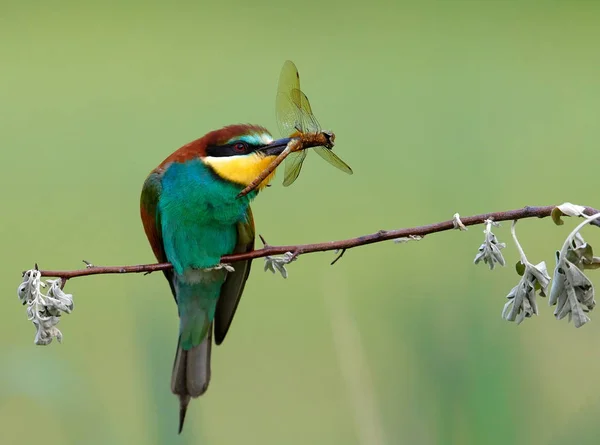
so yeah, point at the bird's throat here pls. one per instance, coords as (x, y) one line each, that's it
(241, 169)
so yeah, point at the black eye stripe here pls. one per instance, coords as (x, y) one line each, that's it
(236, 148)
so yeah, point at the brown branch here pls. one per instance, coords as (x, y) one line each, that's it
(342, 245)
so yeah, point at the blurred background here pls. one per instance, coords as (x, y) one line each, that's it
(440, 108)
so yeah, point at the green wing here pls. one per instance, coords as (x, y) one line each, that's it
(151, 220)
(232, 289)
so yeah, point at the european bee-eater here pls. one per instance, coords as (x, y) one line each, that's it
(192, 216)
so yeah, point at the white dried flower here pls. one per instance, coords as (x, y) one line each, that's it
(277, 263)
(44, 310)
(489, 251)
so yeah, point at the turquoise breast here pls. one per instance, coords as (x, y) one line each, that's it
(199, 212)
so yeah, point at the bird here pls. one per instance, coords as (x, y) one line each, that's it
(192, 216)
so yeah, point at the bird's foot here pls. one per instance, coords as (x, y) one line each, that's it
(227, 267)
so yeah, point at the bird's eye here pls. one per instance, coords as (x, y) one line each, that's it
(240, 147)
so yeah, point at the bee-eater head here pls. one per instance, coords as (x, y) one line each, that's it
(239, 153)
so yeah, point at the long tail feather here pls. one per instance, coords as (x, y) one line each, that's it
(191, 373)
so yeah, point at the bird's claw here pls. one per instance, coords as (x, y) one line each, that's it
(227, 267)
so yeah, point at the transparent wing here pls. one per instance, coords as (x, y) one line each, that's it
(289, 78)
(333, 159)
(292, 107)
(293, 165)
(286, 110)
(288, 115)
(307, 118)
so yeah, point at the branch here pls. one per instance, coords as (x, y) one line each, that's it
(342, 245)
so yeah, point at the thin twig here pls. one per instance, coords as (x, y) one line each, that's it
(513, 232)
(382, 235)
(337, 258)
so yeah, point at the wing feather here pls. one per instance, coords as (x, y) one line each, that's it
(232, 289)
(151, 220)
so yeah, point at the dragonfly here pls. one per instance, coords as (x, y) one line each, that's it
(296, 119)
(297, 122)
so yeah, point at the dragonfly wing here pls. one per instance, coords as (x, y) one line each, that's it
(333, 159)
(289, 78)
(307, 118)
(294, 113)
(286, 109)
(293, 165)
(288, 115)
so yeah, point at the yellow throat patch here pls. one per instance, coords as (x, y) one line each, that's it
(241, 169)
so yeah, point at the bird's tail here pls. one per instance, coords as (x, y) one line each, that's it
(191, 372)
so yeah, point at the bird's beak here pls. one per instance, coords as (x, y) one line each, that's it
(276, 147)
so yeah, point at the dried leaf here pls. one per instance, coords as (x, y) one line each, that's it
(457, 223)
(522, 298)
(572, 291)
(566, 209)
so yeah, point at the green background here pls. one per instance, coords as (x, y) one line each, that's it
(439, 107)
